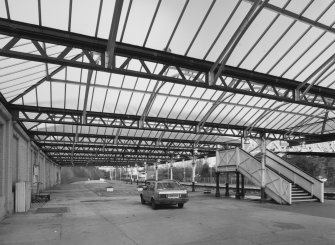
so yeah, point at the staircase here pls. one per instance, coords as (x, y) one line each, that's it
(282, 181)
(298, 193)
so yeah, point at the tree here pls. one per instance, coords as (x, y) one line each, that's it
(205, 170)
(310, 165)
(330, 176)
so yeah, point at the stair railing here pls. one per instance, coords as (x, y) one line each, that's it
(275, 186)
(297, 176)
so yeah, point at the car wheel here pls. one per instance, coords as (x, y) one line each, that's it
(180, 205)
(153, 204)
(142, 200)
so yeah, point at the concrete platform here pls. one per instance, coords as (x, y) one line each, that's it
(85, 213)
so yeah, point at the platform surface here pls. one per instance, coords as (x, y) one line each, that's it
(85, 213)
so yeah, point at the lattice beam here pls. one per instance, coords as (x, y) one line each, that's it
(40, 115)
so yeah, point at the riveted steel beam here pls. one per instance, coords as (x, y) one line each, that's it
(59, 116)
(250, 83)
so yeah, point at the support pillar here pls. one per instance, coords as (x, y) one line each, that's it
(217, 192)
(156, 170)
(171, 170)
(131, 175)
(237, 194)
(193, 175)
(242, 194)
(184, 179)
(263, 162)
(227, 185)
(145, 171)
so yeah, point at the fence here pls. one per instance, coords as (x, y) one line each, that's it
(222, 180)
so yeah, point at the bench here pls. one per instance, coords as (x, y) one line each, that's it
(329, 195)
(45, 196)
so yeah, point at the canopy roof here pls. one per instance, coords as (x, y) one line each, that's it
(97, 82)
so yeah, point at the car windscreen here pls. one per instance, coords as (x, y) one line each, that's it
(168, 185)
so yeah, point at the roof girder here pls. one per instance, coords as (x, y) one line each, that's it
(100, 119)
(254, 83)
(131, 148)
(297, 17)
(109, 57)
(122, 140)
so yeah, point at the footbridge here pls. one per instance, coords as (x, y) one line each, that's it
(282, 181)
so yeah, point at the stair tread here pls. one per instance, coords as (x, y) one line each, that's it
(306, 200)
(301, 197)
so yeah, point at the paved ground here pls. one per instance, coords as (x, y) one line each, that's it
(84, 213)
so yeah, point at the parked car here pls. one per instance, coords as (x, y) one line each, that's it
(164, 192)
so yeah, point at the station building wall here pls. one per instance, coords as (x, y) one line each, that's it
(21, 160)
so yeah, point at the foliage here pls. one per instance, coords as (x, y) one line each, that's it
(72, 174)
(307, 164)
(331, 176)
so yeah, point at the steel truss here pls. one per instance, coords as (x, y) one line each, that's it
(113, 149)
(67, 148)
(41, 115)
(247, 82)
(62, 137)
(117, 162)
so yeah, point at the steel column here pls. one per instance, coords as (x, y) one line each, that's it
(217, 192)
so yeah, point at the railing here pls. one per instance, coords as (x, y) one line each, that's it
(275, 186)
(296, 175)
